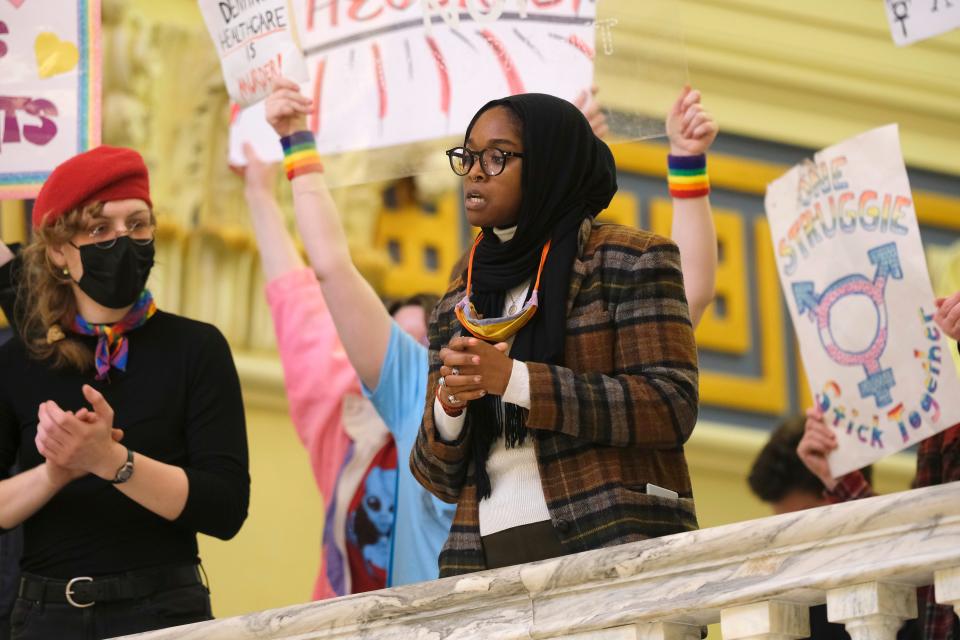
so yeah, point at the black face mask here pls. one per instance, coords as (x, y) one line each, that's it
(115, 277)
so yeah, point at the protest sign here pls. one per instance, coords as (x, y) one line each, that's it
(387, 73)
(913, 20)
(394, 82)
(257, 42)
(853, 272)
(50, 93)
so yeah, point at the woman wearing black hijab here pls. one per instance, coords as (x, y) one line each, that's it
(574, 441)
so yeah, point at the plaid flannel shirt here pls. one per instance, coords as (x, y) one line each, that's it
(611, 419)
(938, 462)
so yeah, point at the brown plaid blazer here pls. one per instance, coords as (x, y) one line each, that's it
(609, 421)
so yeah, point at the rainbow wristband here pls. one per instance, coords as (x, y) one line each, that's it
(687, 176)
(300, 154)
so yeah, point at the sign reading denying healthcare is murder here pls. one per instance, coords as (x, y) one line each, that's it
(257, 42)
(49, 89)
(852, 267)
(393, 72)
(915, 20)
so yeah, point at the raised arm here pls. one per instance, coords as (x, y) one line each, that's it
(692, 131)
(362, 322)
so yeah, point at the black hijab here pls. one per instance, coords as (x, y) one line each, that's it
(568, 176)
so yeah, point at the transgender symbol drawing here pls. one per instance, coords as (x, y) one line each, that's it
(879, 381)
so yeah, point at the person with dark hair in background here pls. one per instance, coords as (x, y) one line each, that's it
(779, 478)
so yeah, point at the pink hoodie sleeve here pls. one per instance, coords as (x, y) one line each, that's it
(316, 371)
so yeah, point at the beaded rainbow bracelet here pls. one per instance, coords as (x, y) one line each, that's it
(300, 154)
(687, 176)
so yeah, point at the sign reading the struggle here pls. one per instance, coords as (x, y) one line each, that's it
(392, 72)
(50, 92)
(256, 41)
(913, 20)
(853, 271)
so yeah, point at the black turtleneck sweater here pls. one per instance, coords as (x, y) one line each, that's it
(178, 402)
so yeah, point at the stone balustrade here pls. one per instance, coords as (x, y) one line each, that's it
(757, 578)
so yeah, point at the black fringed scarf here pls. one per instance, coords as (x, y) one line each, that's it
(568, 176)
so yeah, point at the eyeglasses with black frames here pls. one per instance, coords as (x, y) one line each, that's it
(492, 160)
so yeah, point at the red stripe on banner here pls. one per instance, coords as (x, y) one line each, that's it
(381, 80)
(444, 76)
(317, 94)
(311, 9)
(576, 7)
(582, 46)
(234, 112)
(514, 82)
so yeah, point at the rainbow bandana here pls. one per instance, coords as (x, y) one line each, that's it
(497, 329)
(112, 347)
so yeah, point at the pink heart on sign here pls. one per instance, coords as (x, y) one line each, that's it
(17, 3)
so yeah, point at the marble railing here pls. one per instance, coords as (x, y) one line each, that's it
(757, 578)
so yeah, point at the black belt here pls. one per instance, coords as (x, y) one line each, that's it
(85, 591)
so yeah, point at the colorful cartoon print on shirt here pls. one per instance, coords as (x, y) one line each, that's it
(370, 523)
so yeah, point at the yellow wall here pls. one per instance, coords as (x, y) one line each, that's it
(273, 561)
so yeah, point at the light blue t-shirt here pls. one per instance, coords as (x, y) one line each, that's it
(422, 521)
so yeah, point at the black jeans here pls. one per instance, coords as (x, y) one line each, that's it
(32, 620)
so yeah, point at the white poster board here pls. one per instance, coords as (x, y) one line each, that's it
(384, 74)
(49, 89)
(852, 267)
(915, 20)
(256, 42)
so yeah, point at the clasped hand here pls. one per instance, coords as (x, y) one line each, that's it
(78, 443)
(473, 368)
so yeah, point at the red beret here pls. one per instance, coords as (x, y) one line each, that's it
(99, 175)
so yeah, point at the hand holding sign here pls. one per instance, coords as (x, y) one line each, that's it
(947, 316)
(815, 447)
(287, 108)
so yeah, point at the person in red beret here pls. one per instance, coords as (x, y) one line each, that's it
(126, 423)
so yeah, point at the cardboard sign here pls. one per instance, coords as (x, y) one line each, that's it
(385, 73)
(257, 42)
(50, 92)
(853, 272)
(915, 20)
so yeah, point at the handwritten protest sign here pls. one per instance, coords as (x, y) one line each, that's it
(913, 20)
(852, 268)
(257, 42)
(50, 89)
(390, 72)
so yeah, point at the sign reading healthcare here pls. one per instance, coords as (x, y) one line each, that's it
(393, 72)
(853, 271)
(915, 20)
(256, 41)
(50, 89)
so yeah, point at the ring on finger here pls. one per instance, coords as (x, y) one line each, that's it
(443, 382)
(455, 371)
(453, 399)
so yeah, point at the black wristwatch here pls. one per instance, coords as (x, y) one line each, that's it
(125, 471)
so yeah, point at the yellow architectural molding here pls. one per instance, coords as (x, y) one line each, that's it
(767, 392)
(752, 176)
(806, 73)
(729, 332)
